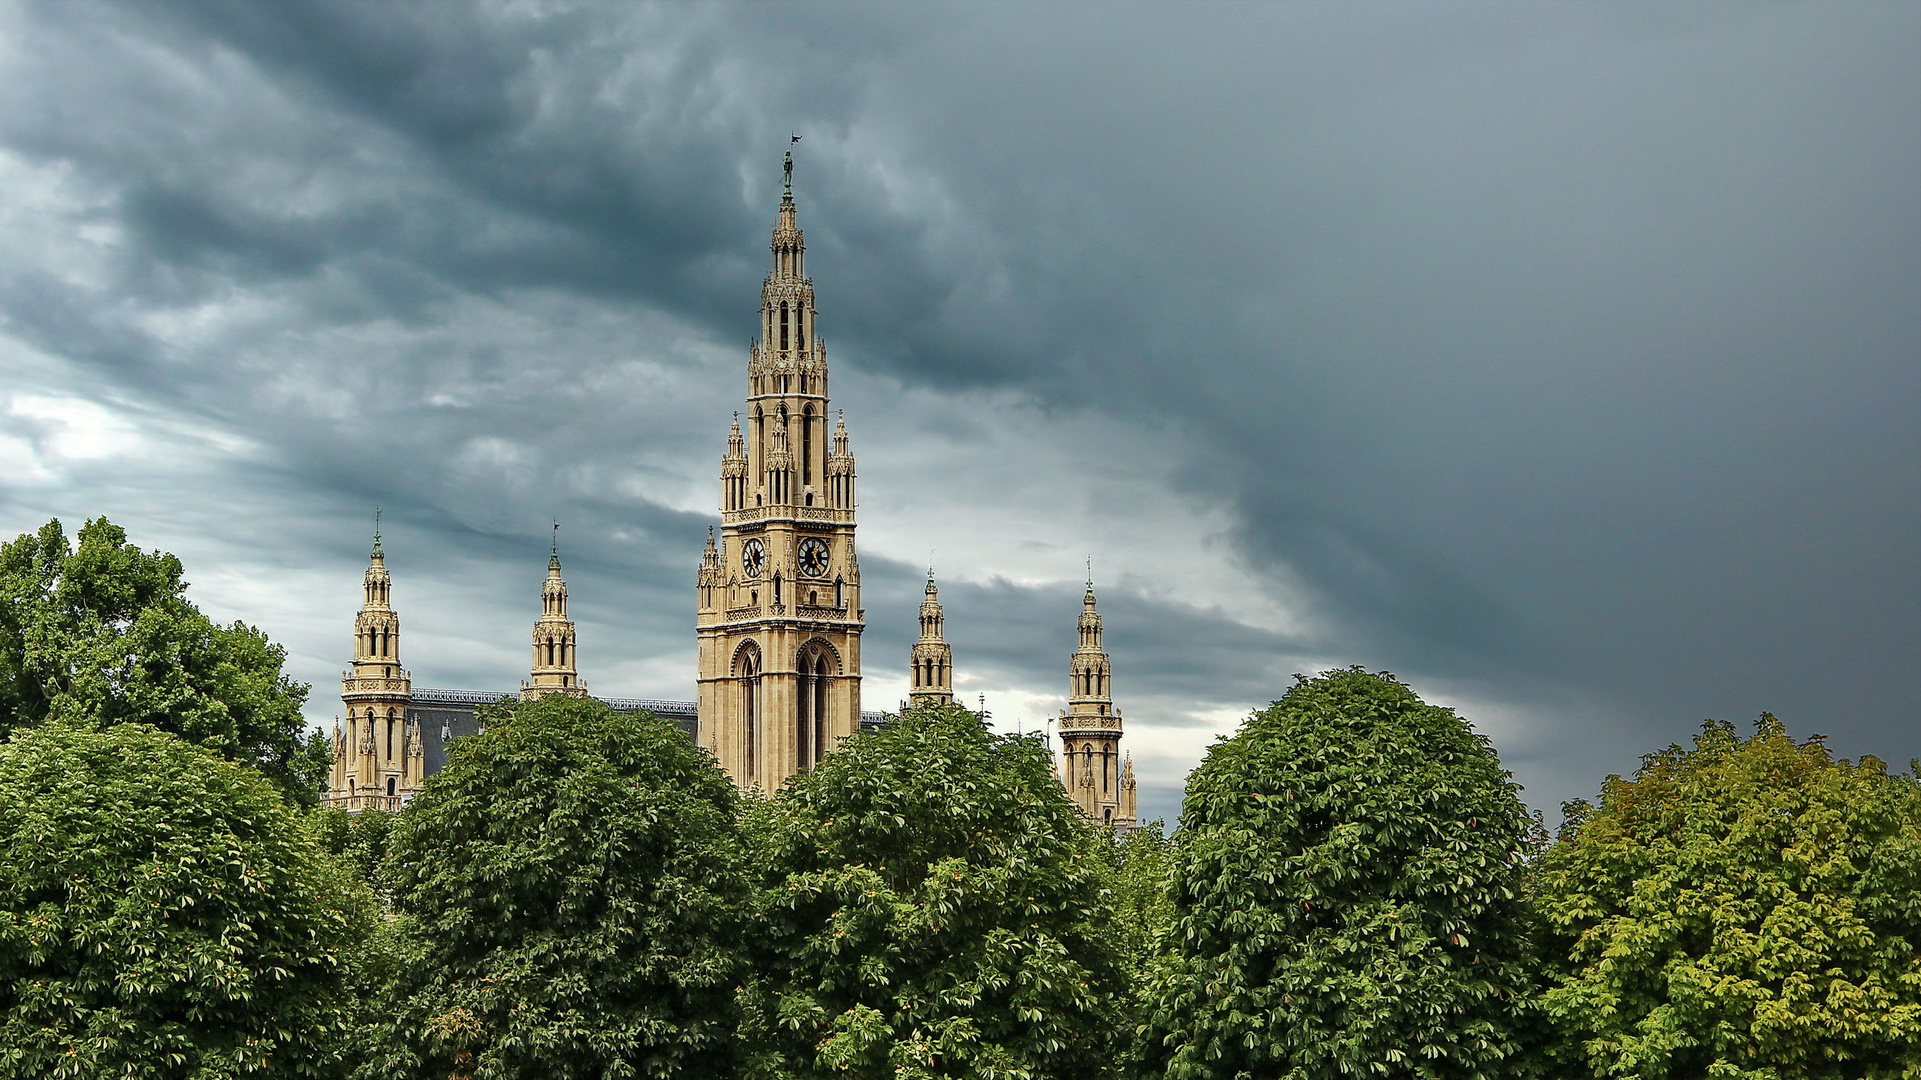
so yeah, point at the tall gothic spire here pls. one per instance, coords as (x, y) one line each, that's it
(932, 659)
(779, 619)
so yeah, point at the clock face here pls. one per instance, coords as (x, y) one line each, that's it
(753, 557)
(813, 557)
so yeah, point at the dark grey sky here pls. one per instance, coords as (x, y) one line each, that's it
(1563, 359)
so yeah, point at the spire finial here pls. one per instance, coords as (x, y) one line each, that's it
(553, 551)
(1090, 573)
(376, 530)
(787, 169)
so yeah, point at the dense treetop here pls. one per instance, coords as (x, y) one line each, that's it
(1742, 908)
(99, 632)
(1347, 900)
(934, 907)
(572, 903)
(164, 915)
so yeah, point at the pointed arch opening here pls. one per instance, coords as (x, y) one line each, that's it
(816, 664)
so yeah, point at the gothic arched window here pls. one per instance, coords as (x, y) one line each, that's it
(807, 448)
(748, 669)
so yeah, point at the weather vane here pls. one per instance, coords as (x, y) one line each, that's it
(788, 166)
(555, 549)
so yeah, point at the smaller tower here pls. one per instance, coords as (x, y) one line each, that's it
(932, 659)
(375, 765)
(555, 665)
(840, 468)
(1098, 779)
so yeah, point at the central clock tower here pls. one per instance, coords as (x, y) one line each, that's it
(778, 591)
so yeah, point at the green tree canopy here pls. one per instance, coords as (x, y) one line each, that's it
(1744, 909)
(100, 633)
(935, 907)
(164, 915)
(358, 840)
(1347, 899)
(571, 894)
(1144, 861)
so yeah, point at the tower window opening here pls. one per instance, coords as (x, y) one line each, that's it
(390, 787)
(783, 326)
(807, 448)
(749, 712)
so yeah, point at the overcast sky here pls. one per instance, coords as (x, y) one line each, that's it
(1563, 360)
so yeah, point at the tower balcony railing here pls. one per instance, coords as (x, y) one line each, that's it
(375, 684)
(819, 611)
(801, 513)
(357, 802)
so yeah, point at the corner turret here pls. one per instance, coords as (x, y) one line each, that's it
(376, 764)
(555, 665)
(932, 659)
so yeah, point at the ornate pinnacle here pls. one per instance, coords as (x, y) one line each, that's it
(376, 550)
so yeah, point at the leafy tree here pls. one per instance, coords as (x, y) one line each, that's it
(358, 840)
(164, 916)
(1745, 909)
(1144, 862)
(1347, 898)
(100, 633)
(571, 893)
(936, 907)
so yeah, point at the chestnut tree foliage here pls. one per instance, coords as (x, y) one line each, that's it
(1745, 909)
(99, 632)
(163, 914)
(934, 906)
(571, 898)
(1348, 897)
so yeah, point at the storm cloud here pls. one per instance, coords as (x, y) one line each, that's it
(1564, 360)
